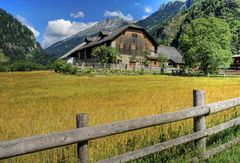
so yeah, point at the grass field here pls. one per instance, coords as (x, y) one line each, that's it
(41, 102)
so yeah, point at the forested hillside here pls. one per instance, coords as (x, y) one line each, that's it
(229, 10)
(17, 42)
(165, 13)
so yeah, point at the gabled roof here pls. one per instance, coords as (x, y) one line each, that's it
(172, 53)
(72, 51)
(114, 34)
(104, 33)
(109, 37)
(92, 39)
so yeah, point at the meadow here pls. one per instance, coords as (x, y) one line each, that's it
(33, 103)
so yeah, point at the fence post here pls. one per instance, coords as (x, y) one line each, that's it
(199, 122)
(82, 147)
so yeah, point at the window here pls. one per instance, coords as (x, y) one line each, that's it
(121, 45)
(133, 47)
(135, 35)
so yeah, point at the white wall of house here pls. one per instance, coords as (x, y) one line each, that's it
(71, 60)
(113, 44)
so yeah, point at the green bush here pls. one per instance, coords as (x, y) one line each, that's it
(4, 69)
(60, 66)
(63, 67)
(25, 66)
(86, 71)
(105, 54)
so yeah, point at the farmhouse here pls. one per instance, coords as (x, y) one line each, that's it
(129, 41)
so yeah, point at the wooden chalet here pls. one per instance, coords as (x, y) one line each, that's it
(128, 40)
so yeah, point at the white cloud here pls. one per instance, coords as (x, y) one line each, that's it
(144, 16)
(79, 14)
(61, 29)
(25, 22)
(148, 10)
(119, 14)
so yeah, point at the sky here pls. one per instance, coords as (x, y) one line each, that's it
(55, 20)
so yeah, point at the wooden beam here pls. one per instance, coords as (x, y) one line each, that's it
(212, 152)
(38, 143)
(168, 144)
(57, 139)
(223, 105)
(153, 149)
(221, 148)
(199, 123)
(82, 147)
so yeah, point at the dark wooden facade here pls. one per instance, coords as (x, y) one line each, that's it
(128, 41)
(132, 41)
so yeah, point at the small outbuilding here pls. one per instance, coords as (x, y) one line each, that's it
(175, 59)
(236, 62)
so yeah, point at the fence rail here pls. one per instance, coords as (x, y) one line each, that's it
(121, 66)
(83, 134)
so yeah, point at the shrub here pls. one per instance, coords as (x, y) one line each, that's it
(4, 68)
(60, 66)
(25, 66)
(105, 54)
(73, 70)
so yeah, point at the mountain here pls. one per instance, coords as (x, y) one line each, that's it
(165, 13)
(229, 10)
(167, 24)
(189, 3)
(18, 42)
(60, 48)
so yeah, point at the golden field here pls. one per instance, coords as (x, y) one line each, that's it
(34, 103)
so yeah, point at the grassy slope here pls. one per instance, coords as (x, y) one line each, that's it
(41, 102)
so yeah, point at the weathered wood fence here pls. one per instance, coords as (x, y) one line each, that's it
(83, 133)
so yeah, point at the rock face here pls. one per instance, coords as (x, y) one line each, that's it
(164, 14)
(60, 48)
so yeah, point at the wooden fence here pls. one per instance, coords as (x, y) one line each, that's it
(121, 66)
(83, 134)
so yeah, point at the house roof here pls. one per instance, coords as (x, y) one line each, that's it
(104, 33)
(109, 37)
(73, 50)
(172, 53)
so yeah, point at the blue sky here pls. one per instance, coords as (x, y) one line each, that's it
(54, 20)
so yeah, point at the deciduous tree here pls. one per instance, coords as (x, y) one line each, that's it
(105, 54)
(206, 44)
